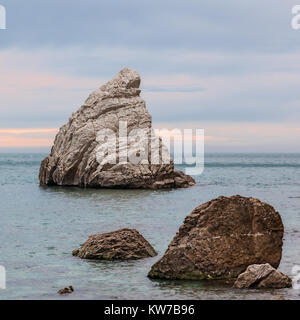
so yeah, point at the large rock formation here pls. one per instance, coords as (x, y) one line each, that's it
(109, 142)
(221, 238)
(124, 244)
(262, 276)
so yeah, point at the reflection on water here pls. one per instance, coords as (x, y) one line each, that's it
(102, 194)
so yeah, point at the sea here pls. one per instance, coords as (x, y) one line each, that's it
(40, 226)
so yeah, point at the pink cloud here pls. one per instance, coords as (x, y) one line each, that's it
(31, 137)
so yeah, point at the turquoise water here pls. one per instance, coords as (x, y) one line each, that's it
(40, 226)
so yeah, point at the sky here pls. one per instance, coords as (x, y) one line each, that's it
(229, 67)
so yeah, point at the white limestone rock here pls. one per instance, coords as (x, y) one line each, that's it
(82, 154)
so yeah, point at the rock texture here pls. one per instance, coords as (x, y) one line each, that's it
(221, 238)
(82, 157)
(124, 244)
(262, 276)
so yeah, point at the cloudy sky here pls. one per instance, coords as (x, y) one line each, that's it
(231, 67)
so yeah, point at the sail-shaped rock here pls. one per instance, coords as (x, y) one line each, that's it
(109, 143)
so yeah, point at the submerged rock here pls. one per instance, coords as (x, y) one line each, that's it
(109, 143)
(221, 238)
(124, 244)
(262, 276)
(66, 290)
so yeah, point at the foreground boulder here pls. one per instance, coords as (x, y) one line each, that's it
(262, 276)
(109, 143)
(221, 238)
(124, 244)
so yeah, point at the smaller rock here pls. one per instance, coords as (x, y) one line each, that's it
(276, 280)
(124, 244)
(66, 290)
(253, 275)
(262, 276)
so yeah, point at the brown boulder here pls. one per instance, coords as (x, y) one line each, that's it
(124, 244)
(66, 290)
(221, 238)
(262, 276)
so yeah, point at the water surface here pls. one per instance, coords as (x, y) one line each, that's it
(40, 226)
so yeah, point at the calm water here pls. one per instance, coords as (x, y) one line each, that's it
(41, 226)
